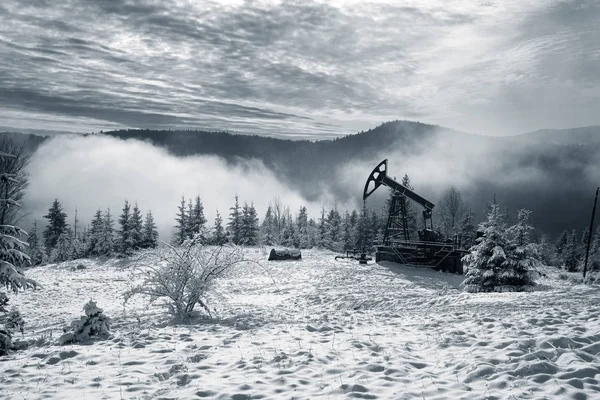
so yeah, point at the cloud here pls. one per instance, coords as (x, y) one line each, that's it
(89, 173)
(304, 69)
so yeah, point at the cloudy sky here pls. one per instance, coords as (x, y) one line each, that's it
(312, 69)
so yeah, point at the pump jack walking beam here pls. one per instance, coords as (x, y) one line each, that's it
(379, 177)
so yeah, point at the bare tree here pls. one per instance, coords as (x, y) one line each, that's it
(452, 208)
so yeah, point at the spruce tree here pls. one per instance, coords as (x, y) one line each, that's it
(181, 227)
(411, 214)
(235, 222)
(197, 218)
(149, 232)
(63, 251)
(334, 230)
(57, 225)
(125, 243)
(322, 229)
(95, 233)
(347, 241)
(106, 244)
(267, 229)
(12, 249)
(488, 258)
(561, 246)
(521, 270)
(35, 250)
(468, 232)
(249, 226)
(289, 231)
(137, 240)
(218, 231)
(302, 236)
(571, 255)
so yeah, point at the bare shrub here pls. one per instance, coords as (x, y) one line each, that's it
(185, 274)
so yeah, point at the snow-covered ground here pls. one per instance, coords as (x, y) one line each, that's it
(312, 329)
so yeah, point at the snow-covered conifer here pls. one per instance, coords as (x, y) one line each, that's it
(63, 251)
(137, 226)
(57, 225)
(571, 253)
(35, 250)
(219, 237)
(149, 232)
(561, 246)
(93, 323)
(125, 242)
(235, 222)
(106, 243)
(249, 226)
(12, 251)
(519, 275)
(181, 218)
(488, 258)
(267, 229)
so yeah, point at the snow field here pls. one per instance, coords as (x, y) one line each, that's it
(311, 329)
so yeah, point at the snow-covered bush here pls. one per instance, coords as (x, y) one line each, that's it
(93, 323)
(185, 274)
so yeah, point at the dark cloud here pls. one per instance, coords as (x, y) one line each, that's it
(302, 68)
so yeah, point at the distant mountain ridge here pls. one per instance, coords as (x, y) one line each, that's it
(541, 170)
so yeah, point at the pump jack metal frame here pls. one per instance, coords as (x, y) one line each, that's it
(430, 250)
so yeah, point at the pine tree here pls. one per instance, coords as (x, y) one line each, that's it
(488, 258)
(411, 214)
(12, 250)
(348, 243)
(322, 241)
(137, 227)
(289, 230)
(561, 246)
(468, 233)
(95, 233)
(57, 225)
(249, 226)
(571, 254)
(267, 229)
(218, 231)
(302, 238)
(35, 251)
(181, 219)
(334, 230)
(524, 261)
(125, 242)
(149, 232)
(63, 251)
(235, 222)
(106, 244)
(197, 218)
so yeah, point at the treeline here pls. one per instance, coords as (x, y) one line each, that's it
(61, 241)
(570, 248)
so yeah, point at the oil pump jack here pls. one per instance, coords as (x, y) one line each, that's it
(430, 249)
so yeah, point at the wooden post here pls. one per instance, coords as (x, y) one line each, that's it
(587, 252)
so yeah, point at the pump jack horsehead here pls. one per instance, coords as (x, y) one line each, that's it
(430, 249)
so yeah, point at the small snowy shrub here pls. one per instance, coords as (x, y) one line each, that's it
(185, 275)
(93, 323)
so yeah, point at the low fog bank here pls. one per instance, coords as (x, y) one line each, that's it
(555, 180)
(94, 172)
